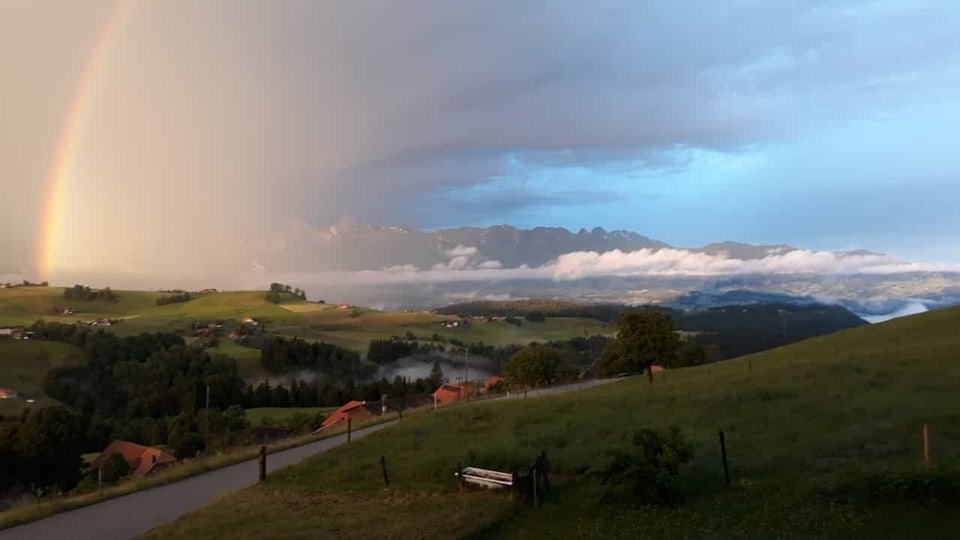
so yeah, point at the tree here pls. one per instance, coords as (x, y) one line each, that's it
(436, 374)
(50, 443)
(533, 366)
(536, 316)
(643, 337)
(114, 468)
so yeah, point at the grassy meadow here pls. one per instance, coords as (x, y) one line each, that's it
(807, 426)
(275, 415)
(23, 365)
(351, 327)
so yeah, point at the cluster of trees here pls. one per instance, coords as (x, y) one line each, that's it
(25, 283)
(82, 292)
(277, 290)
(280, 355)
(521, 308)
(388, 351)
(324, 393)
(181, 296)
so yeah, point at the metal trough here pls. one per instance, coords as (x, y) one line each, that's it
(485, 477)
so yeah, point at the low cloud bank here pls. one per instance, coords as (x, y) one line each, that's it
(642, 263)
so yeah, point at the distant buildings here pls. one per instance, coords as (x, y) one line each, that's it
(8, 393)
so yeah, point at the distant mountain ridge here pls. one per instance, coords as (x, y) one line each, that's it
(352, 246)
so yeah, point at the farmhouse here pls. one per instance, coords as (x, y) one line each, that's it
(448, 393)
(142, 460)
(8, 393)
(366, 410)
(493, 382)
(353, 410)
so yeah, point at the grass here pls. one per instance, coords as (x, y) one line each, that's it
(23, 365)
(800, 422)
(279, 414)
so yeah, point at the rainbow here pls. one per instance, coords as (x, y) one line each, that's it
(61, 177)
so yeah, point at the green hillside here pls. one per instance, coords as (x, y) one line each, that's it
(812, 429)
(22, 366)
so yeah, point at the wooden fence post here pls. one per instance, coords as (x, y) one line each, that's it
(383, 466)
(926, 446)
(349, 428)
(723, 456)
(263, 463)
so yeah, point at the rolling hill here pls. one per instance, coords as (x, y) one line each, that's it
(824, 440)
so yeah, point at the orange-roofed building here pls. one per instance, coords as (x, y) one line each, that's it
(447, 393)
(142, 460)
(494, 380)
(351, 409)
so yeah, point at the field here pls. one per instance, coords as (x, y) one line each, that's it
(22, 366)
(279, 414)
(811, 428)
(350, 327)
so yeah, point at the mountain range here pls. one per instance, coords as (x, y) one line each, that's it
(413, 268)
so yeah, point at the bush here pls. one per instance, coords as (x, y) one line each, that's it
(114, 468)
(647, 471)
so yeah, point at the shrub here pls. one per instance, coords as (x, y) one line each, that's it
(647, 471)
(114, 468)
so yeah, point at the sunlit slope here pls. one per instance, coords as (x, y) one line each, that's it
(800, 421)
(24, 305)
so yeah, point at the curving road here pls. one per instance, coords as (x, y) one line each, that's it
(132, 515)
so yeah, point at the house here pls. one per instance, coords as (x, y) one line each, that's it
(357, 411)
(493, 382)
(353, 410)
(448, 393)
(249, 320)
(6, 332)
(655, 368)
(8, 393)
(206, 291)
(142, 460)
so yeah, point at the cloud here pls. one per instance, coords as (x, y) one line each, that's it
(219, 121)
(662, 263)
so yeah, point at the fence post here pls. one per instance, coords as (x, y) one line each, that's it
(263, 463)
(533, 473)
(349, 428)
(383, 465)
(926, 446)
(723, 456)
(459, 476)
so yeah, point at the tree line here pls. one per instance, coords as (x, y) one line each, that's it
(182, 296)
(82, 292)
(277, 290)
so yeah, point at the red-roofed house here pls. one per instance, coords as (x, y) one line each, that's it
(448, 393)
(142, 460)
(351, 409)
(492, 382)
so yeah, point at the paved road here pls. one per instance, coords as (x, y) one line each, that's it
(132, 515)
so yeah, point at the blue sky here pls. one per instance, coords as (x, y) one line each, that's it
(826, 125)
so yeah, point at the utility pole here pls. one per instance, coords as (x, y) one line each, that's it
(206, 423)
(465, 390)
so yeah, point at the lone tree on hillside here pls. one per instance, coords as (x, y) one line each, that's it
(533, 366)
(643, 337)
